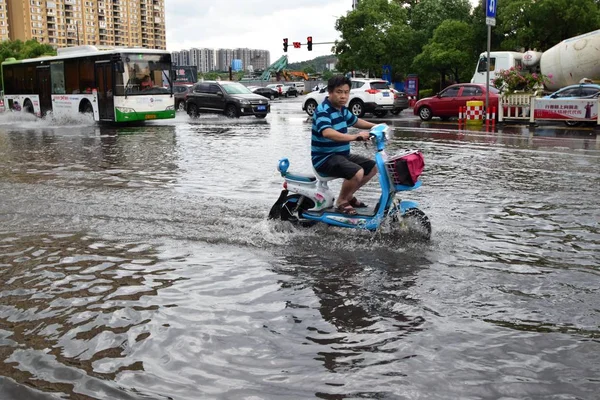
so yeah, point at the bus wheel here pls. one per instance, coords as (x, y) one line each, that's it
(86, 108)
(28, 107)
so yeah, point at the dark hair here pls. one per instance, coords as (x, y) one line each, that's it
(337, 81)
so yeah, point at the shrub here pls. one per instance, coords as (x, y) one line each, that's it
(514, 79)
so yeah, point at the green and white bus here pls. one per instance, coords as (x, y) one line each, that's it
(116, 84)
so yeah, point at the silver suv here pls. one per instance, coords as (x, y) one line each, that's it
(366, 96)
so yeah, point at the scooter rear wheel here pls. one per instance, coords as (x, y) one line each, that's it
(415, 221)
(290, 211)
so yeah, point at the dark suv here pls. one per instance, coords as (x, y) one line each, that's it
(230, 98)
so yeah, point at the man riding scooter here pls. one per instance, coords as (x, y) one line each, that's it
(330, 145)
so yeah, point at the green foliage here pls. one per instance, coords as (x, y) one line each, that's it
(514, 79)
(445, 37)
(427, 15)
(327, 75)
(309, 69)
(449, 52)
(376, 33)
(425, 93)
(542, 24)
(319, 64)
(21, 50)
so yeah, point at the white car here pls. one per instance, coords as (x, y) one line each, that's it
(366, 96)
(280, 87)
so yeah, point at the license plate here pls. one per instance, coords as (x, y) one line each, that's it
(261, 108)
(150, 116)
(386, 94)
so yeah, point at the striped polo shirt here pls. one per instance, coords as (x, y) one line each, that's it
(327, 116)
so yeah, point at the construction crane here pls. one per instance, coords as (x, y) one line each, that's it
(276, 68)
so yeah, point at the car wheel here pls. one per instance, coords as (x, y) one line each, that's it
(380, 113)
(271, 97)
(231, 111)
(181, 105)
(310, 107)
(192, 110)
(425, 113)
(357, 108)
(296, 94)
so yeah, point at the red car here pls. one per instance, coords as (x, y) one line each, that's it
(446, 103)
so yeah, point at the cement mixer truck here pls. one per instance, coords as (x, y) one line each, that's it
(568, 62)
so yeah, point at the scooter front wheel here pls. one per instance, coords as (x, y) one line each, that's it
(416, 222)
(292, 209)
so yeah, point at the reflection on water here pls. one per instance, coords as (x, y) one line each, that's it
(137, 262)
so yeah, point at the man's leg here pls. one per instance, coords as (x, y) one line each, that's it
(350, 186)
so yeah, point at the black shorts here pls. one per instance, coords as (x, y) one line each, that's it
(345, 166)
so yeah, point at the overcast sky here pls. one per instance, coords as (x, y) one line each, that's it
(257, 24)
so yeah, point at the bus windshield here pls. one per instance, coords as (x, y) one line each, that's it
(145, 74)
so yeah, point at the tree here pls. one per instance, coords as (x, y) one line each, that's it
(19, 50)
(449, 52)
(309, 69)
(542, 24)
(427, 15)
(373, 35)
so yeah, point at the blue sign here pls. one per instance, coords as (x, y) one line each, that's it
(387, 73)
(490, 8)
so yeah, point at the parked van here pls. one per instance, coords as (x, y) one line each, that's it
(299, 86)
(499, 60)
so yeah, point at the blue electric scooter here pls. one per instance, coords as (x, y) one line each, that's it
(306, 199)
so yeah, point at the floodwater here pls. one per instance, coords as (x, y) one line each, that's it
(137, 263)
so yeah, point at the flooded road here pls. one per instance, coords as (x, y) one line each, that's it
(137, 263)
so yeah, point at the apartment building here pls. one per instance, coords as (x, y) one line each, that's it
(3, 21)
(62, 23)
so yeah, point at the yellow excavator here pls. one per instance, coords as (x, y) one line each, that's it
(290, 75)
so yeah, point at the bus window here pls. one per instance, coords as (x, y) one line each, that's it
(30, 80)
(9, 79)
(57, 77)
(86, 76)
(19, 73)
(72, 76)
(143, 73)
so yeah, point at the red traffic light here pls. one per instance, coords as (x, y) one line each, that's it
(285, 44)
(309, 43)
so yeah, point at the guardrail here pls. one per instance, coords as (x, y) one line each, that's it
(529, 107)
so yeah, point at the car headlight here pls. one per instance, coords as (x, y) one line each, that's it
(244, 102)
(125, 109)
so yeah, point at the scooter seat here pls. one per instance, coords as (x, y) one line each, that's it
(300, 177)
(323, 178)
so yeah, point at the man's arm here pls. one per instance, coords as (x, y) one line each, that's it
(362, 124)
(332, 134)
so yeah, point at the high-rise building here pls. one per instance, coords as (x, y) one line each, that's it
(62, 23)
(354, 4)
(3, 21)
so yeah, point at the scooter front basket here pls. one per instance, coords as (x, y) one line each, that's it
(405, 168)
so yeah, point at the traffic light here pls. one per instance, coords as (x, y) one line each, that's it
(309, 43)
(285, 44)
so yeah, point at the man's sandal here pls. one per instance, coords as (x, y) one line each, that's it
(357, 203)
(346, 208)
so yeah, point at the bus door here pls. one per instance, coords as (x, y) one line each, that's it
(104, 84)
(42, 74)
